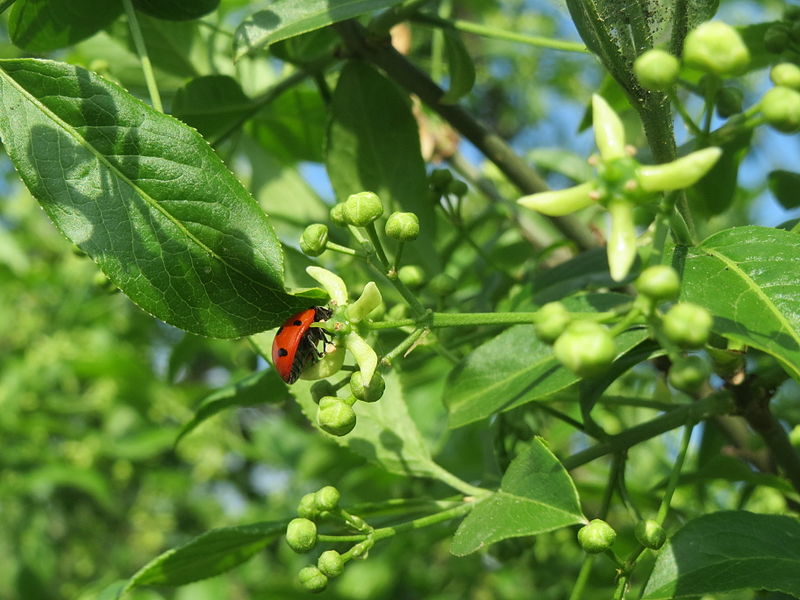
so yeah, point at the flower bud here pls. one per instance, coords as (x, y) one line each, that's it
(402, 226)
(776, 39)
(729, 101)
(660, 282)
(656, 70)
(301, 535)
(337, 215)
(442, 285)
(411, 275)
(440, 178)
(781, 109)
(369, 300)
(312, 579)
(327, 498)
(678, 174)
(716, 47)
(786, 75)
(331, 563)
(314, 239)
(362, 209)
(621, 247)
(609, 133)
(585, 347)
(553, 320)
(336, 416)
(331, 282)
(363, 353)
(557, 203)
(689, 373)
(457, 188)
(307, 508)
(687, 325)
(596, 537)
(372, 392)
(650, 534)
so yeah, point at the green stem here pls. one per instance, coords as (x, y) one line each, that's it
(445, 515)
(343, 249)
(391, 324)
(402, 347)
(398, 256)
(672, 484)
(336, 539)
(141, 50)
(636, 402)
(687, 119)
(583, 577)
(376, 243)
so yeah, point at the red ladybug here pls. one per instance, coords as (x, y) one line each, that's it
(295, 344)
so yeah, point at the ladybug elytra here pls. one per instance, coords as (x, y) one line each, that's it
(295, 345)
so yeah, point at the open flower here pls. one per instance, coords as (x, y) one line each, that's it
(620, 184)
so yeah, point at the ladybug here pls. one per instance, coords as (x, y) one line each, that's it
(295, 345)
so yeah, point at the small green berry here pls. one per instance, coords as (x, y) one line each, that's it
(312, 579)
(689, 373)
(411, 275)
(314, 239)
(371, 393)
(301, 535)
(327, 498)
(786, 75)
(596, 537)
(687, 325)
(331, 563)
(585, 347)
(659, 282)
(781, 109)
(716, 47)
(650, 534)
(362, 209)
(554, 318)
(657, 70)
(442, 285)
(440, 178)
(729, 101)
(776, 39)
(307, 508)
(337, 215)
(457, 188)
(402, 226)
(336, 416)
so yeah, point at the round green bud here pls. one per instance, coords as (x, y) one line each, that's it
(307, 508)
(337, 215)
(585, 347)
(371, 393)
(657, 70)
(776, 39)
(687, 325)
(716, 47)
(440, 178)
(301, 534)
(362, 209)
(411, 275)
(314, 239)
(327, 498)
(781, 109)
(442, 285)
(336, 416)
(786, 75)
(554, 320)
(312, 579)
(660, 282)
(650, 534)
(689, 373)
(331, 563)
(457, 188)
(322, 388)
(729, 101)
(596, 537)
(402, 226)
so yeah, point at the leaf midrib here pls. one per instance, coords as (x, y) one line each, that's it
(502, 492)
(100, 157)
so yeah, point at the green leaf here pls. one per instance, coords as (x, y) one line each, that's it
(727, 551)
(515, 368)
(716, 191)
(292, 127)
(259, 388)
(749, 278)
(379, 151)
(784, 185)
(176, 10)
(585, 272)
(460, 66)
(288, 18)
(212, 104)
(43, 481)
(209, 554)
(536, 495)
(146, 197)
(40, 26)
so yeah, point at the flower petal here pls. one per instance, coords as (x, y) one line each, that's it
(621, 239)
(609, 133)
(556, 203)
(678, 174)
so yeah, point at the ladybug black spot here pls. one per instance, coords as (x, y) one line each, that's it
(298, 322)
(283, 352)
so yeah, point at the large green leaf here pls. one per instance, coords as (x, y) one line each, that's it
(515, 368)
(536, 495)
(176, 10)
(42, 25)
(146, 197)
(726, 551)
(212, 104)
(749, 278)
(377, 149)
(288, 18)
(209, 554)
